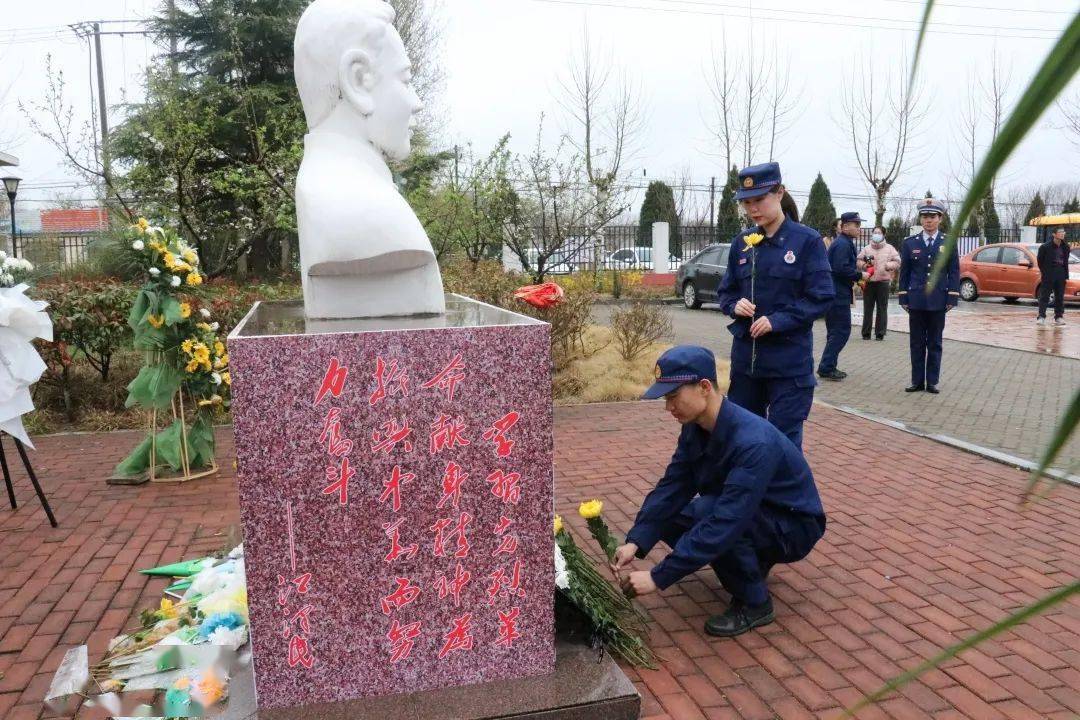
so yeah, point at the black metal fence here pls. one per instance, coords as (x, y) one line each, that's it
(54, 253)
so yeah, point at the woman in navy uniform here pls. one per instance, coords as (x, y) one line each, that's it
(778, 281)
(926, 307)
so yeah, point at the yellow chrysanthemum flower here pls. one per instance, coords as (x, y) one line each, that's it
(185, 310)
(752, 239)
(167, 610)
(203, 326)
(187, 345)
(219, 348)
(194, 279)
(212, 400)
(156, 245)
(192, 365)
(590, 509)
(558, 524)
(142, 225)
(190, 256)
(226, 378)
(156, 320)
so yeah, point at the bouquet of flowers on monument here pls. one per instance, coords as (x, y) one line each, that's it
(186, 371)
(616, 623)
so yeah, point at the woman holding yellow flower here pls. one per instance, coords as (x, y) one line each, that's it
(778, 282)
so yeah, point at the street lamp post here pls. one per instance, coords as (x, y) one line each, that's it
(11, 185)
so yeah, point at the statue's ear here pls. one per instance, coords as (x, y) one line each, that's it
(356, 78)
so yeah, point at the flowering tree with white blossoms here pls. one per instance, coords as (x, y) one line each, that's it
(14, 270)
(187, 366)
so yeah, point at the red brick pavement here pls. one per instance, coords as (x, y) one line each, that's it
(925, 545)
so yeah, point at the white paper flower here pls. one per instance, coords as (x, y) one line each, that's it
(562, 577)
(205, 313)
(175, 281)
(233, 638)
(154, 272)
(215, 378)
(137, 245)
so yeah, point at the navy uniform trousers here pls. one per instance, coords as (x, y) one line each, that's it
(927, 327)
(783, 401)
(769, 540)
(837, 334)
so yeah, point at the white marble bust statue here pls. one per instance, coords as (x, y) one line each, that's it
(363, 252)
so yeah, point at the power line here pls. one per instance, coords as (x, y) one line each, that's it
(624, 6)
(983, 7)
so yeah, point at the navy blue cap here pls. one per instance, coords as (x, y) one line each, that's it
(757, 180)
(681, 365)
(851, 217)
(931, 205)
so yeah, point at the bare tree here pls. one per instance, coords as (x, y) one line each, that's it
(881, 118)
(418, 23)
(1070, 110)
(75, 144)
(556, 213)
(720, 79)
(753, 105)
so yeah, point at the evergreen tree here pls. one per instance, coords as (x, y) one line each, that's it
(1073, 206)
(990, 219)
(895, 232)
(659, 206)
(1037, 208)
(820, 211)
(728, 220)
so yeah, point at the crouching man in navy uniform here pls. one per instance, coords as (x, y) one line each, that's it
(926, 308)
(737, 496)
(778, 282)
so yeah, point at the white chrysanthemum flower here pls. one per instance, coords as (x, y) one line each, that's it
(562, 577)
(205, 313)
(214, 326)
(154, 272)
(137, 245)
(175, 281)
(7, 280)
(215, 378)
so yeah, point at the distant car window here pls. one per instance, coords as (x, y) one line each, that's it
(988, 255)
(724, 255)
(1011, 256)
(709, 257)
(624, 256)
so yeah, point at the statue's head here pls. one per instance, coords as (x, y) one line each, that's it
(350, 61)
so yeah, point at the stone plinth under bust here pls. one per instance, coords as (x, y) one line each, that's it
(395, 480)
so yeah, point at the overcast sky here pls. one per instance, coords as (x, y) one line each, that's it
(502, 60)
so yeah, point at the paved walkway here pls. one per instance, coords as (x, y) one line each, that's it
(992, 396)
(925, 545)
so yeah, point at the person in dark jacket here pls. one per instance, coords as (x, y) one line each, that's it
(838, 317)
(776, 285)
(1053, 258)
(926, 305)
(737, 496)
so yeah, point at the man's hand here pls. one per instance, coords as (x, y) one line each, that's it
(623, 555)
(744, 308)
(760, 327)
(949, 307)
(639, 583)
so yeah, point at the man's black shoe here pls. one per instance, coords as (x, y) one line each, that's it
(915, 388)
(879, 337)
(867, 337)
(739, 618)
(842, 374)
(831, 375)
(932, 389)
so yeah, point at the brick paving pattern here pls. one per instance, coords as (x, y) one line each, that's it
(992, 396)
(925, 545)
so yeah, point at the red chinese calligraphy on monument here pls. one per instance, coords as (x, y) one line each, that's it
(455, 586)
(393, 487)
(405, 593)
(448, 378)
(339, 481)
(505, 486)
(390, 435)
(442, 540)
(497, 434)
(447, 433)
(297, 625)
(390, 380)
(401, 639)
(393, 531)
(508, 631)
(333, 382)
(458, 638)
(452, 480)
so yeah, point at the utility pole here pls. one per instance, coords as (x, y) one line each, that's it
(712, 202)
(102, 105)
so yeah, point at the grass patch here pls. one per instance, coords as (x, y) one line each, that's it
(601, 375)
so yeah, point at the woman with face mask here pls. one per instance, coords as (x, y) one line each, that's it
(883, 259)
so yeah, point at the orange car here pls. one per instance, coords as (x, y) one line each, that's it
(1010, 270)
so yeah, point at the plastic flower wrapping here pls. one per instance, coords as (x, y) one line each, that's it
(546, 295)
(21, 321)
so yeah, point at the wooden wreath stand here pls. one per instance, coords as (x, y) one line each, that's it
(186, 473)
